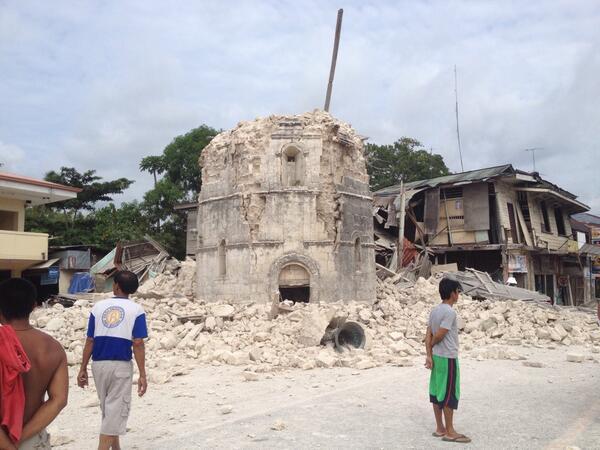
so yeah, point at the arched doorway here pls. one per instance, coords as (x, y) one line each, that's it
(294, 283)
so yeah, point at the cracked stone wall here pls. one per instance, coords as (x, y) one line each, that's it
(284, 190)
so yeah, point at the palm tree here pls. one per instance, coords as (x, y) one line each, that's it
(154, 165)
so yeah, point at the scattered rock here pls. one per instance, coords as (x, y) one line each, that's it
(250, 376)
(536, 364)
(226, 409)
(575, 357)
(55, 324)
(223, 311)
(279, 425)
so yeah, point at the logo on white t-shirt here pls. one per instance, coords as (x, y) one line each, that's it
(113, 316)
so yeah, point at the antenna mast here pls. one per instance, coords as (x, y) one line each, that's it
(336, 44)
(462, 168)
(532, 150)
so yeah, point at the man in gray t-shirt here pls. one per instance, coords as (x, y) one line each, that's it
(441, 343)
(444, 316)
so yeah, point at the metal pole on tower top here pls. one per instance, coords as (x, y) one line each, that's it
(336, 44)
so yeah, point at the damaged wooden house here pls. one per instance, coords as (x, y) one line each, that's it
(500, 220)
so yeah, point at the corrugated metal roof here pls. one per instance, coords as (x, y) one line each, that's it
(472, 175)
(587, 218)
(45, 264)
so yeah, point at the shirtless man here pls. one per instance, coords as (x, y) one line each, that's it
(48, 373)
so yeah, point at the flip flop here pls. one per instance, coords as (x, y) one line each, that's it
(434, 434)
(461, 438)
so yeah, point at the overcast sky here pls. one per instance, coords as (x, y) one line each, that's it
(99, 85)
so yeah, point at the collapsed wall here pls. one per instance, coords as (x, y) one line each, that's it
(184, 332)
(285, 210)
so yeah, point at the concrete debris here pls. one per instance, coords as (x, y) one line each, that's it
(536, 364)
(186, 332)
(226, 409)
(279, 425)
(249, 375)
(575, 357)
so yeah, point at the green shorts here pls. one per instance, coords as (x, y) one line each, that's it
(444, 382)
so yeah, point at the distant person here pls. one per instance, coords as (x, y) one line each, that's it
(48, 374)
(116, 325)
(441, 342)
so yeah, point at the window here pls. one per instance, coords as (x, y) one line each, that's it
(545, 220)
(524, 205)
(560, 221)
(357, 255)
(448, 193)
(222, 257)
(9, 220)
(513, 223)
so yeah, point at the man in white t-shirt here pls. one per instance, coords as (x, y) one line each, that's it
(116, 327)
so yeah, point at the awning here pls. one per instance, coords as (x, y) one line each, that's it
(589, 249)
(45, 264)
(575, 205)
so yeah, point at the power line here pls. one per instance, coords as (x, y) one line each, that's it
(462, 168)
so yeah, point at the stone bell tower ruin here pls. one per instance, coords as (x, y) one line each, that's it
(285, 210)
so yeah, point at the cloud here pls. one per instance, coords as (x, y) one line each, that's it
(98, 86)
(11, 157)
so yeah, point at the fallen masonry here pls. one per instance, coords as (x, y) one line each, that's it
(244, 334)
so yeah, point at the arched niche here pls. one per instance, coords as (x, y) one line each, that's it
(293, 169)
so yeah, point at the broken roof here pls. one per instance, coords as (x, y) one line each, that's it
(471, 175)
(538, 184)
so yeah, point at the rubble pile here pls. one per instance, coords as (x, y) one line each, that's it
(485, 326)
(185, 332)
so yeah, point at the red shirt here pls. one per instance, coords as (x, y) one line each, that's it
(13, 362)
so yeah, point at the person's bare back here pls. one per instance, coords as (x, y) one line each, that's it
(48, 374)
(46, 356)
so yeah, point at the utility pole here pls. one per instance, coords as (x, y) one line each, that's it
(336, 44)
(462, 168)
(401, 216)
(532, 150)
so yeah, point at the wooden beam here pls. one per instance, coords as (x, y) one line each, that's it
(448, 220)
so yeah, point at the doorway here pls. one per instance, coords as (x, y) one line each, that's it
(294, 283)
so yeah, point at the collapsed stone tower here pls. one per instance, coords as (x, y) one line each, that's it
(285, 209)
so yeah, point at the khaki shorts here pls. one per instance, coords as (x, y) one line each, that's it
(40, 441)
(113, 383)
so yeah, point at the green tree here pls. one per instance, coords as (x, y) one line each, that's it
(112, 224)
(405, 159)
(93, 190)
(64, 229)
(181, 159)
(76, 221)
(179, 163)
(159, 202)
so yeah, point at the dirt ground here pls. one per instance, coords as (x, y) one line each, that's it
(504, 404)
